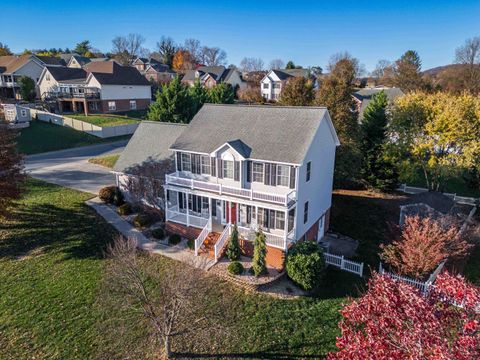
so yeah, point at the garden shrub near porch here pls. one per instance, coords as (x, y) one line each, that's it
(305, 265)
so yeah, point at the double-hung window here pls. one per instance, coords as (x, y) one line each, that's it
(309, 170)
(186, 163)
(305, 212)
(133, 104)
(279, 220)
(205, 165)
(265, 85)
(112, 106)
(257, 172)
(283, 177)
(228, 169)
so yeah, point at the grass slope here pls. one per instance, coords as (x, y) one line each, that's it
(42, 137)
(107, 161)
(51, 268)
(105, 120)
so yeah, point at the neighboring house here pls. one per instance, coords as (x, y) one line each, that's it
(13, 67)
(154, 70)
(99, 87)
(272, 84)
(210, 76)
(268, 168)
(77, 61)
(364, 96)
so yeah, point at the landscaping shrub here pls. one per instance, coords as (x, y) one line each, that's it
(233, 249)
(191, 244)
(158, 233)
(107, 194)
(118, 197)
(235, 268)
(142, 220)
(174, 239)
(125, 209)
(259, 253)
(305, 264)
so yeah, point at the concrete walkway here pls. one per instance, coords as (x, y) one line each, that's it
(178, 252)
(70, 168)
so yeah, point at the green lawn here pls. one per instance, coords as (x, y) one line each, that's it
(105, 120)
(51, 267)
(107, 161)
(42, 137)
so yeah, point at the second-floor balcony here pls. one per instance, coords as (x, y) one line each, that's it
(220, 189)
(79, 93)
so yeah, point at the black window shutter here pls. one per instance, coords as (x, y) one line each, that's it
(249, 171)
(198, 164)
(267, 174)
(271, 224)
(213, 167)
(236, 170)
(179, 161)
(193, 163)
(273, 172)
(220, 168)
(292, 177)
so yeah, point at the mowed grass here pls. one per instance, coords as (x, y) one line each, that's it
(105, 120)
(51, 270)
(42, 137)
(107, 161)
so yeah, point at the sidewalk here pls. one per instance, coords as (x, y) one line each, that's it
(177, 252)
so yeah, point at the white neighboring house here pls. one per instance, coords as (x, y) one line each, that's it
(266, 167)
(97, 87)
(13, 67)
(273, 83)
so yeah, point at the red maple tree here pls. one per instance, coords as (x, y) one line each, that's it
(423, 243)
(394, 321)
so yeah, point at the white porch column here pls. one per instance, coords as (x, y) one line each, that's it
(286, 230)
(188, 210)
(166, 205)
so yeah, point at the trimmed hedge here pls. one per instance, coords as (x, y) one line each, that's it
(107, 194)
(191, 244)
(158, 233)
(235, 268)
(174, 239)
(305, 265)
(125, 209)
(142, 220)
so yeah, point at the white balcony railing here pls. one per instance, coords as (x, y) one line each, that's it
(278, 241)
(220, 189)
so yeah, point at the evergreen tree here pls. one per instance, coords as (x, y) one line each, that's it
(221, 94)
(377, 170)
(83, 47)
(290, 65)
(27, 88)
(298, 92)
(199, 96)
(259, 253)
(172, 103)
(11, 169)
(407, 72)
(233, 249)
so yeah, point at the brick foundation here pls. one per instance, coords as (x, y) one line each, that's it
(123, 105)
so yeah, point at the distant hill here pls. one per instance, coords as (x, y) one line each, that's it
(439, 69)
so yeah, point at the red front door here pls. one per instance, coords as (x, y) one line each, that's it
(234, 213)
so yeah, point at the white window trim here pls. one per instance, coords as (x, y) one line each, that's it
(208, 165)
(189, 161)
(224, 169)
(287, 176)
(263, 172)
(110, 107)
(134, 103)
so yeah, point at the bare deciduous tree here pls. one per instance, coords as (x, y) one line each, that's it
(126, 48)
(251, 64)
(469, 55)
(276, 64)
(213, 56)
(194, 48)
(336, 58)
(166, 50)
(172, 302)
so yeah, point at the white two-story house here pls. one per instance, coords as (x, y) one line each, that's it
(273, 83)
(259, 167)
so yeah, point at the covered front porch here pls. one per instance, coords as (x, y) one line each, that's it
(201, 211)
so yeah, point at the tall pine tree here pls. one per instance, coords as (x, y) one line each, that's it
(259, 253)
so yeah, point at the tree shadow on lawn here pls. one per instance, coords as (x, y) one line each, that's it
(77, 232)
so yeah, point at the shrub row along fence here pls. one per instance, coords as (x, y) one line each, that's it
(98, 131)
(465, 200)
(344, 264)
(423, 286)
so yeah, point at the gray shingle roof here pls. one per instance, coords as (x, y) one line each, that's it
(365, 96)
(62, 73)
(150, 142)
(271, 133)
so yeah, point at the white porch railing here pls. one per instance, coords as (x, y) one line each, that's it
(186, 218)
(270, 239)
(202, 236)
(221, 241)
(174, 179)
(342, 263)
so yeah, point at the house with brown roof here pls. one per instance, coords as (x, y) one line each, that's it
(97, 87)
(77, 61)
(153, 70)
(210, 76)
(13, 67)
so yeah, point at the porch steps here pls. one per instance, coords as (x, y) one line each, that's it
(208, 247)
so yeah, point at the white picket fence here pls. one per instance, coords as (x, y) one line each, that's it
(465, 200)
(344, 264)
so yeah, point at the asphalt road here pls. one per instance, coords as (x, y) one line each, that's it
(70, 168)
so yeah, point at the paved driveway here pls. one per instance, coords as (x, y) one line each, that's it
(70, 168)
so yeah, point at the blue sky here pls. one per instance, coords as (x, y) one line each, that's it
(307, 32)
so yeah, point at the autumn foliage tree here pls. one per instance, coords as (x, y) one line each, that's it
(183, 61)
(297, 92)
(394, 321)
(11, 169)
(423, 243)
